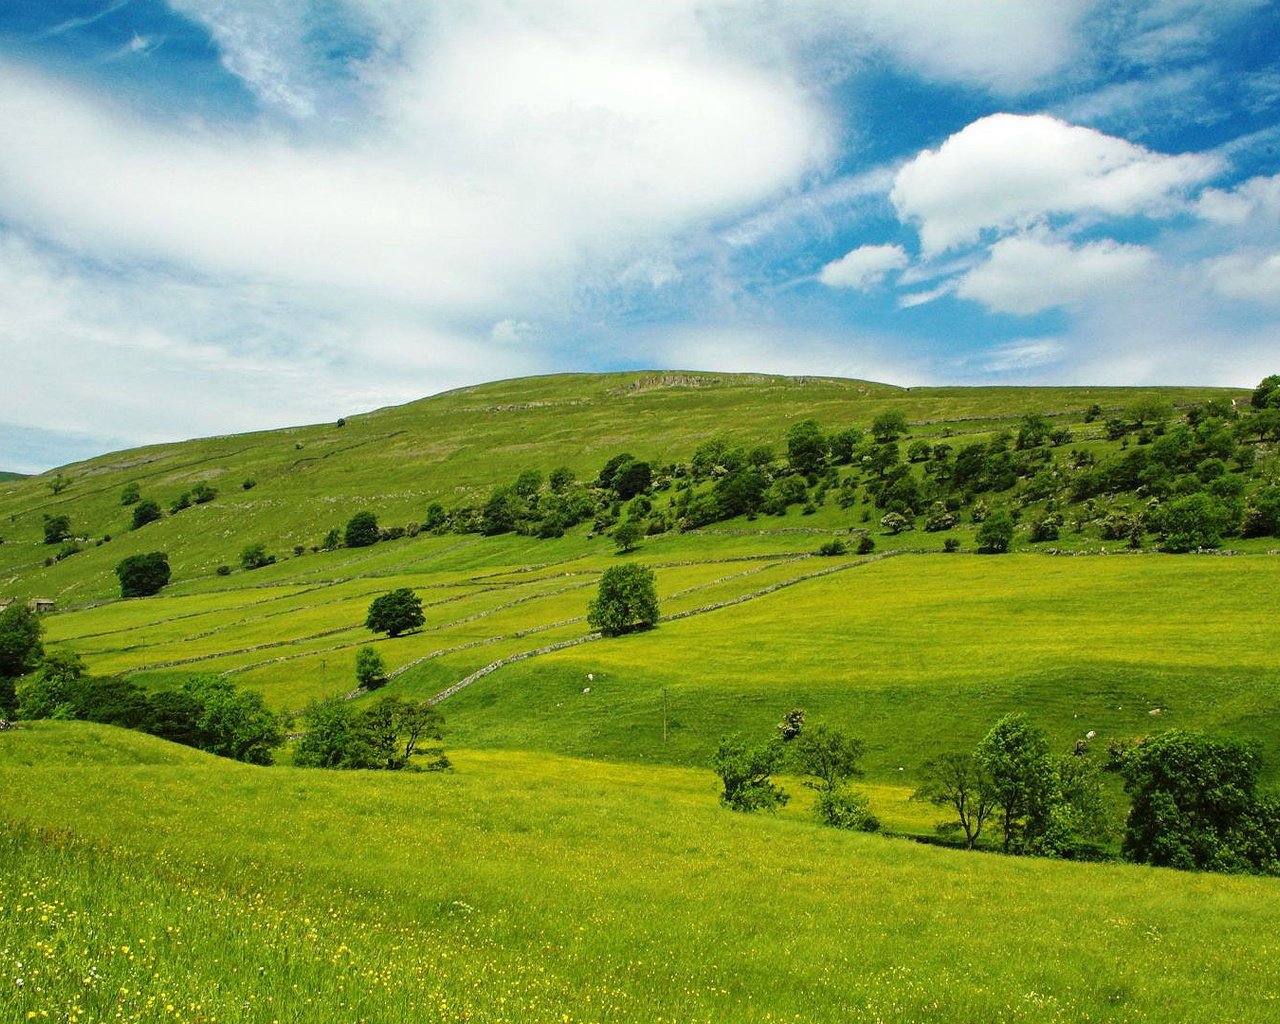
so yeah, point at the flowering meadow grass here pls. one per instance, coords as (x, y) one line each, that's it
(144, 883)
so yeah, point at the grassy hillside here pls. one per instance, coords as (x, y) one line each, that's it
(136, 887)
(453, 448)
(577, 865)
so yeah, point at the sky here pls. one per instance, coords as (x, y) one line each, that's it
(225, 215)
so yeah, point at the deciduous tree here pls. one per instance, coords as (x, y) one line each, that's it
(627, 600)
(395, 612)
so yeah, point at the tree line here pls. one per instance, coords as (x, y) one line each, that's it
(1195, 802)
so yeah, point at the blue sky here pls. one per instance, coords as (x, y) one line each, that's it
(222, 215)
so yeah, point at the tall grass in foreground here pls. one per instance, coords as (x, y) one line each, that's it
(534, 888)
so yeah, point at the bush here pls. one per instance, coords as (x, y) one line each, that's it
(1188, 523)
(224, 570)
(255, 557)
(745, 774)
(996, 533)
(894, 523)
(143, 575)
(56, 529)
(1047, 528)
(834, 546)
(792, 725)
(361, 531)
(131, 494)
(843, 808)
(202, 493)
(144, 512)
(627, 600)
(866, 545)
(395, 612)
(371, 670)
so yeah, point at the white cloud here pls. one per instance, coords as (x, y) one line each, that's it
(733, 348)
(1026, 274)
(1256, 198)
(477, 191)
(1250, 277)
(1022, 355)
(151, 357)
(1158, 32)
(1004, 45)
(513, 332)
(1006, 172)
(864, 267)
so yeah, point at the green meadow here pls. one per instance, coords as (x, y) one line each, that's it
(576, 864)
(138, 883)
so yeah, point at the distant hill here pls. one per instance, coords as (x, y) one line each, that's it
(5, 476)
(286, 488)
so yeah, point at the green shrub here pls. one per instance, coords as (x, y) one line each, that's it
(146, 511)
(143, 575)
(843, 808)
(361, 531)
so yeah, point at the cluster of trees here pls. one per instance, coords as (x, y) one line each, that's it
(147, 510)
(825, 757)
(386, 734)
(1194, 474)
(207, 712)
(1041, 803)
(1195, 801)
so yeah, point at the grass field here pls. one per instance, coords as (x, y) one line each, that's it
(454, 446)
(577, 865)
(153, 885)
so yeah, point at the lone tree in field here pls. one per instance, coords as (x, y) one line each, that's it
(395, 612)
(143, 575)
(361, 531)
(831, 759)
(626, 601)
(889, 426)
(56, 529)
(145, 511)
(627, 535)
(996, 533)
(745, 772)
(371, 671)
(827, 755)
(1015, 757)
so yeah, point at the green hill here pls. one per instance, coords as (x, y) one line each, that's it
(577, 865)
(541, 888)
(452, 449)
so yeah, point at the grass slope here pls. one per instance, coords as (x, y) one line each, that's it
(450, 447)
(534, 888)
(918, 654)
